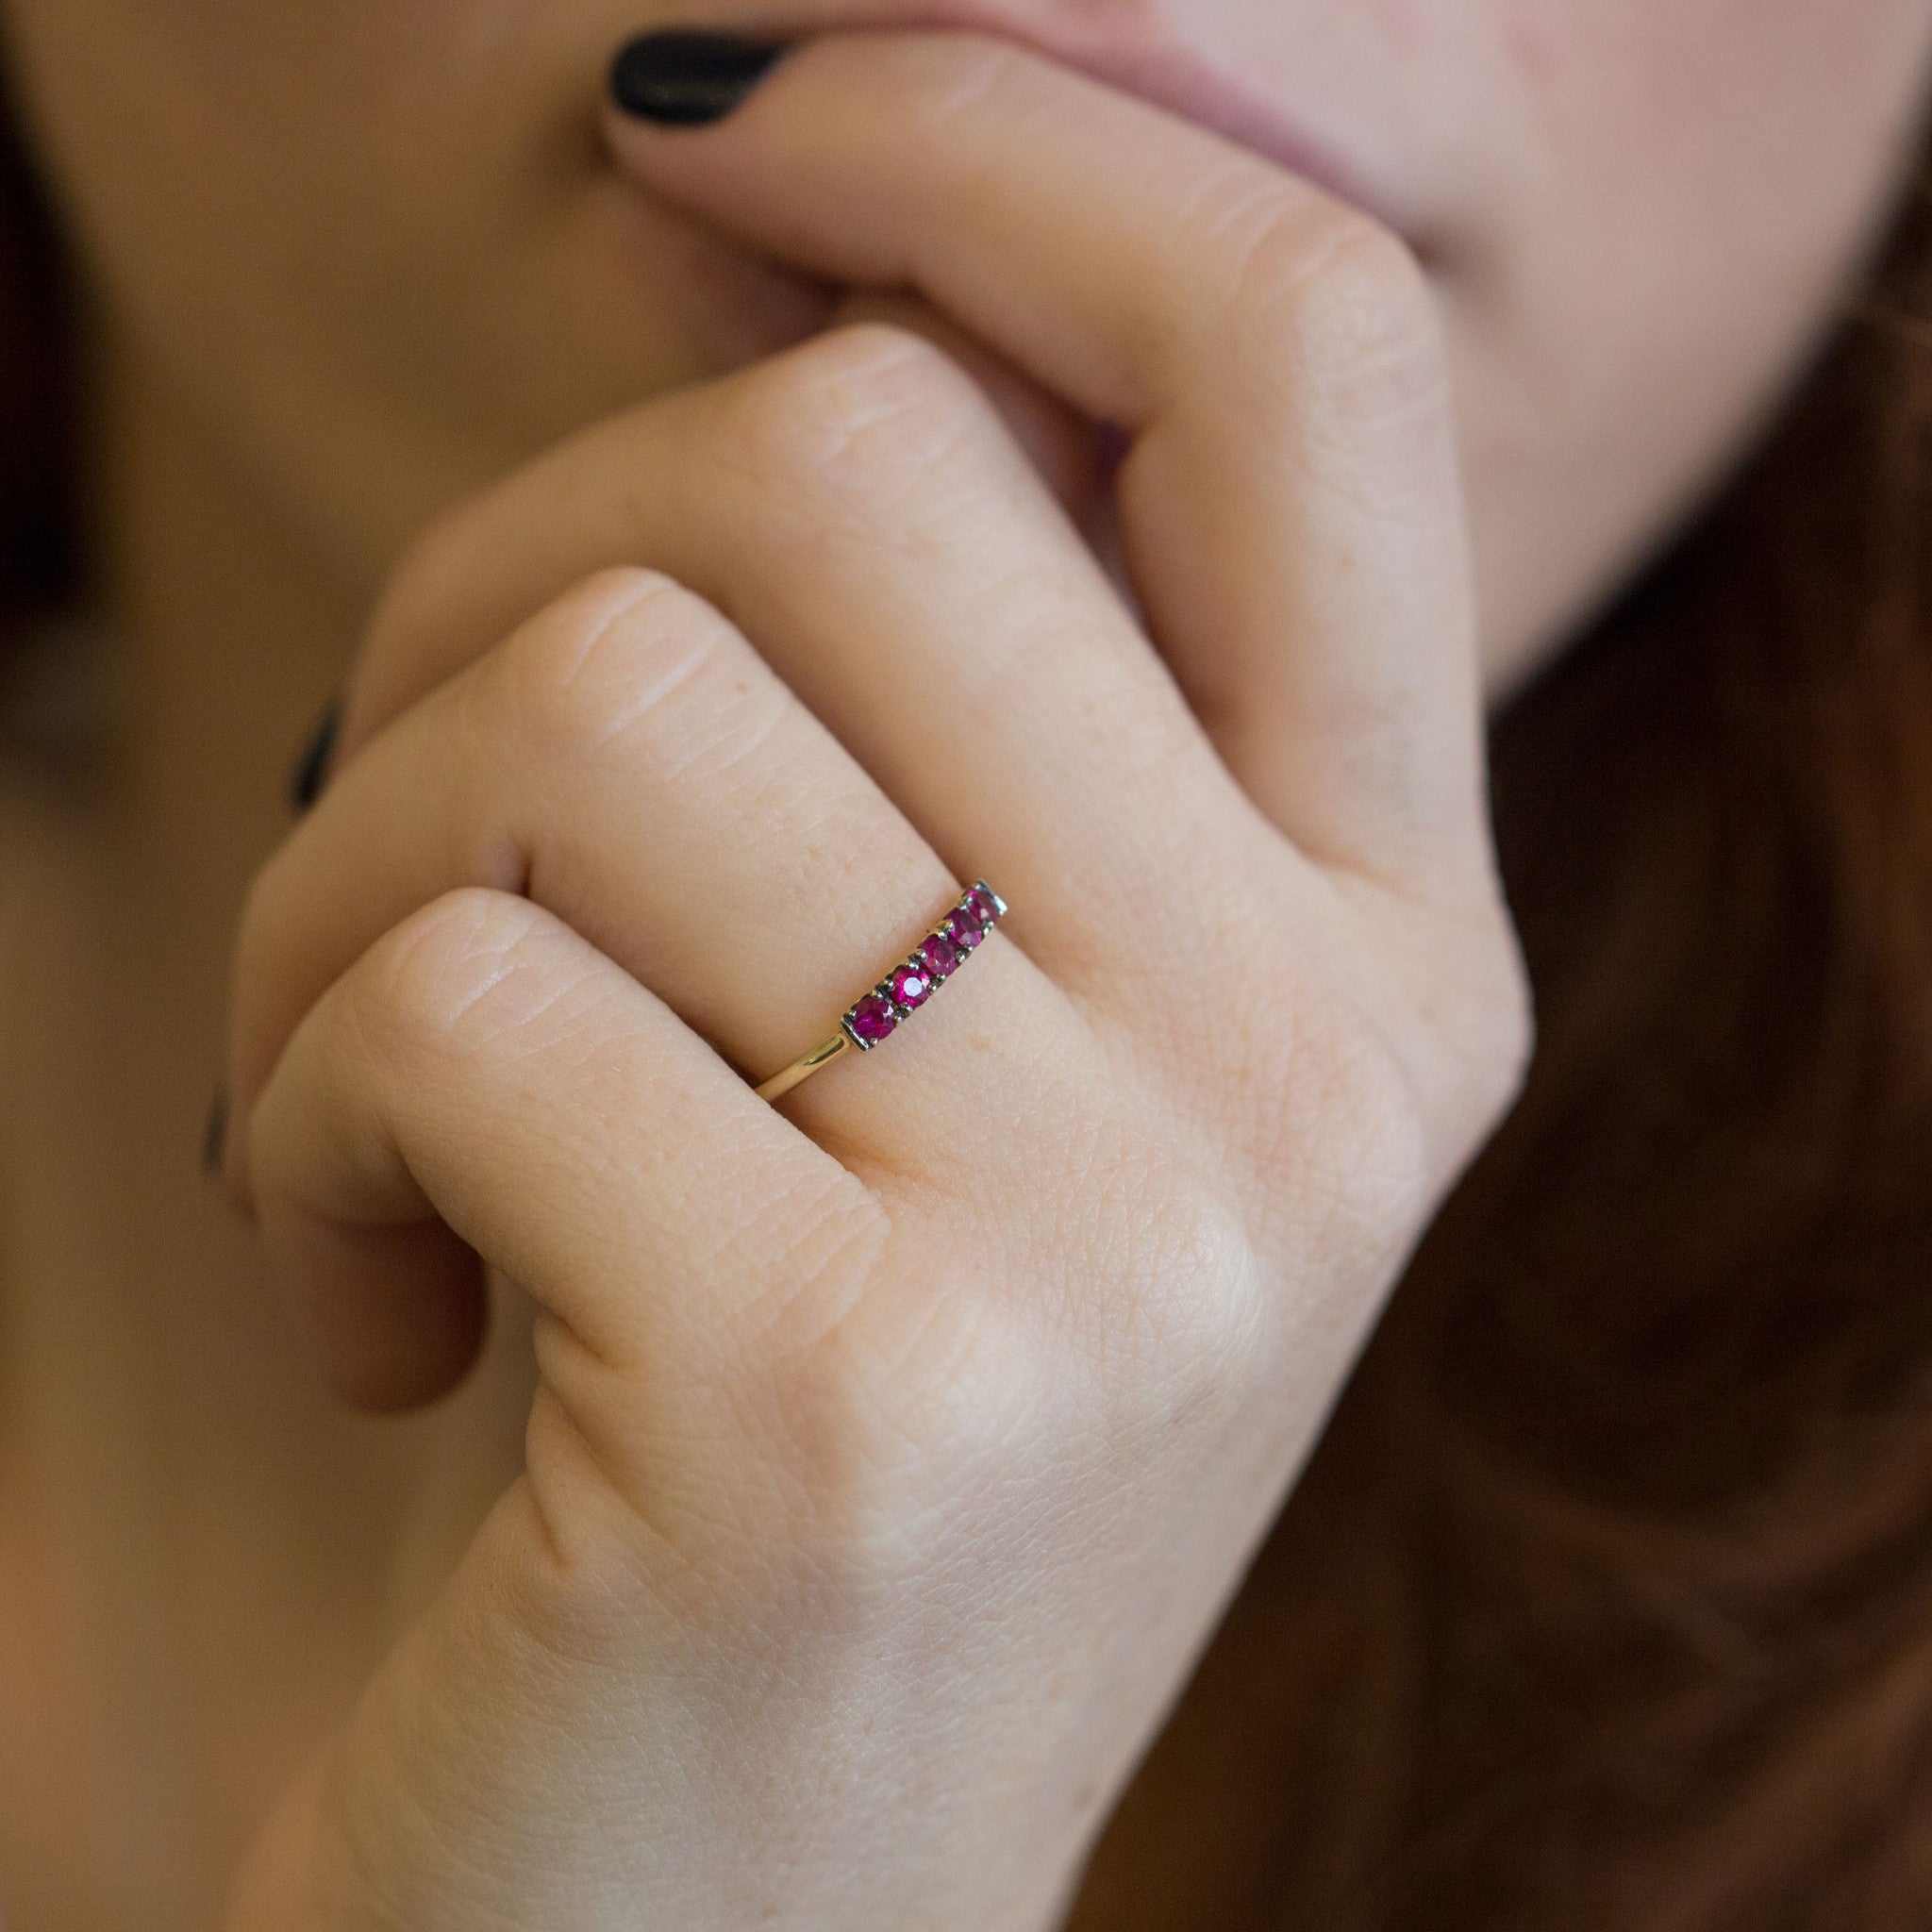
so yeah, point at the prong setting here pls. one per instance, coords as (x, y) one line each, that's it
(875, 1016)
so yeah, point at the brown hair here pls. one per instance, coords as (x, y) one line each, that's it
(1608, 1599)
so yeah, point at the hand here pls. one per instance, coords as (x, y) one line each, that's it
(896, 1449)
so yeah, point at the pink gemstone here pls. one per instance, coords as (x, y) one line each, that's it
(982, 904)
(963, 930)
(941, 957)
(910, 986)
(872, 1020)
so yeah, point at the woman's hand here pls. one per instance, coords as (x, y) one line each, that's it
(896, 1448)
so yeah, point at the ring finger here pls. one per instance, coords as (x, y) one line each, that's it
(858, 508)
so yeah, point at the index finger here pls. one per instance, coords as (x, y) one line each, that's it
(1292, 505)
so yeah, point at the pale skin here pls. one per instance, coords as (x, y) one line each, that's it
(850, 1486)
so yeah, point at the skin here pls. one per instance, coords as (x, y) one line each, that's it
(848, 1487)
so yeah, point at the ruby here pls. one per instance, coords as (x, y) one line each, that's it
(963, 930)
(871, 1020)
(982, 904)
(910, 987)
(941, 957)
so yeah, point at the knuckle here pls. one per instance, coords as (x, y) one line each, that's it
(1471, 1026)
(1148, 1341)
(456, 975)
(1378, 1174)
(1177, 1333)
(880, 1420)
(955, 1405)
(1318, 1127)
(853, 417)
(1408, 1111)
(1371, 1186)
(1144, 1306)
(1502, 1042)
(1342, 304)
(597, 667)
(1342, 1158)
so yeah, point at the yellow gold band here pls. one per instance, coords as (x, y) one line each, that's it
(801, 1071)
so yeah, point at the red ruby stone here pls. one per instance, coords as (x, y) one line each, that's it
(983, 906)
(941, 957)
(910, 987)
(872, 1020)
(963, 930)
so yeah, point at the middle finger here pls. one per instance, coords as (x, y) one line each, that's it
(859, 509)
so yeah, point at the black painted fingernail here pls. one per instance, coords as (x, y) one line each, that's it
(683, 77)
(311, 768)
(214, 1137)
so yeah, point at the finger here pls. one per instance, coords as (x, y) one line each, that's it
(1290, 507)
(483, 1083)
(858, 508)
(1073, 457)
(628, 762)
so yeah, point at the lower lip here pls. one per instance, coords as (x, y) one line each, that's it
(1184, 86)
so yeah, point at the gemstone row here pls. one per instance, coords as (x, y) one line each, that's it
(926, 968)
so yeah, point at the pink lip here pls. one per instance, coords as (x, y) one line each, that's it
(1161, 71)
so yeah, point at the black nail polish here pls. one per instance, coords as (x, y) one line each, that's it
(311, 768)
(683, 77)
(214, 1137)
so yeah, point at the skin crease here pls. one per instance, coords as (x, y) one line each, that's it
(356, 261)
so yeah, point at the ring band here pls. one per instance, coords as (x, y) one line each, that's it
(874, 1017)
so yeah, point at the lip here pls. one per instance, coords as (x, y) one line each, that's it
(1154, 65)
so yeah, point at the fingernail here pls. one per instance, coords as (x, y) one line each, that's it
(683, 77)
(214, 1137)
(311, 768)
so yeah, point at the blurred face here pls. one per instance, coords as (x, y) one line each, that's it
(377, 246)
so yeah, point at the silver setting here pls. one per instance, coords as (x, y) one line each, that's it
(999, 905)
(852, 1033)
